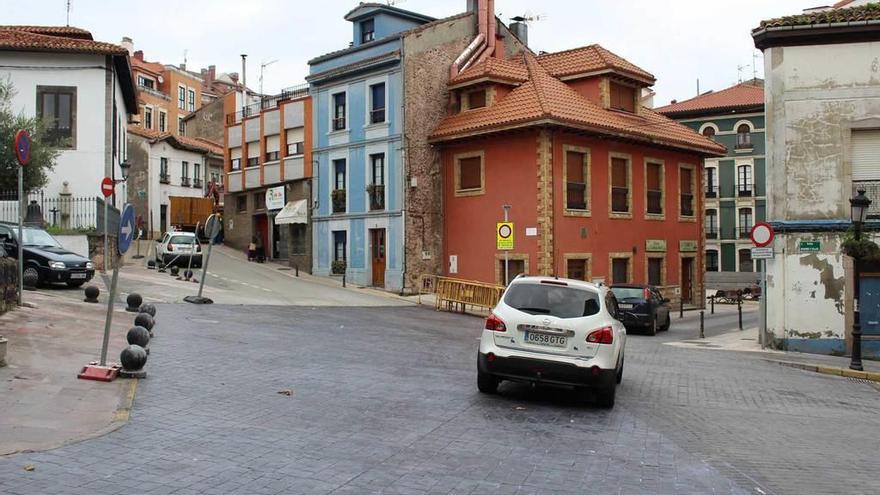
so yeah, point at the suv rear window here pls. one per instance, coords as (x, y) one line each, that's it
(183, 239)
(561, 302)
(622, 293)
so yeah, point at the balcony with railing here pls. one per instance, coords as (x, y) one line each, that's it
(712, 233)
(711, 190)
(267, 103)
(197, 182)
(377, 196)
(184, 181)
(338, 200)
(744, 231)
(164, 178)
(687, 205)
(655, 202)
(744, 189)
(576, 198)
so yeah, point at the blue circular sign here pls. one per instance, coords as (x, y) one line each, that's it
(127, 229)
(22, 147)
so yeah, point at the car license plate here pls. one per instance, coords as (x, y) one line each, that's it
(77, 275)
(625, 306)
(544, 339)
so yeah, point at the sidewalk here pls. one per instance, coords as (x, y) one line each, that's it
(43, 403)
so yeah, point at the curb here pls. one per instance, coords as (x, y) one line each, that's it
(834, 371)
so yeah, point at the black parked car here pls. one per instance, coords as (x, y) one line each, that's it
(642, 307)
(45, 257)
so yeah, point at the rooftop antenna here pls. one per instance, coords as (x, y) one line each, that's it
(755, 65)
(393, 2)
(739, 72)
(68, 13)
(185, 51)
(529, 18)
(263, 66)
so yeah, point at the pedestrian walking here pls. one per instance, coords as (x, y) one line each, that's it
(260, 248)
(252, 249)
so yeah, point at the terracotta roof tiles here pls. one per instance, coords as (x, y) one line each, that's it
(867, 12)
(192, 143)
(744, 95)
(590, 59)
(496, 69)
(18, 38)
(544, 99)
(66, 31)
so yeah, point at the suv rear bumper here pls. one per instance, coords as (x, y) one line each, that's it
(544, 371)
(182, 259)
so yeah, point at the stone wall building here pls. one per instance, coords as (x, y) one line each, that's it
(822, 90)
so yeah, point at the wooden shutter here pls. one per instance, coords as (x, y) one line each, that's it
(575, 167)
(470, 176)
(866, 155)
(653, 177)
(687, 182)
(618, 172)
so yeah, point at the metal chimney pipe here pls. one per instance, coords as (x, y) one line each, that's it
(243, 83)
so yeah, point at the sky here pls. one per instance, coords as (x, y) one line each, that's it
(679, 41)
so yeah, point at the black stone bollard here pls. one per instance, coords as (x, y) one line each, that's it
(138, 335)
(188, 274)
(739, 310)
(133, 359)
(134, 301)
(702, 335)
(151, 264)
(148, 308)
(681, 307)
(297, 270)
(144, 320)
(175, 271)
(712, 300)
(92, 294)
(161, 267)
(343, 280)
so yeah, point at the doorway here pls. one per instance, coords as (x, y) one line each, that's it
(261, 230)
(377, 242)
(163, 219)
(687, 280)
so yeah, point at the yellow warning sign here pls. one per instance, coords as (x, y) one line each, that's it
(504, 236)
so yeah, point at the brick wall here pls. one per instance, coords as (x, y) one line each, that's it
(96, 250)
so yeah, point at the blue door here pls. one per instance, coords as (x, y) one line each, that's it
(869, 306)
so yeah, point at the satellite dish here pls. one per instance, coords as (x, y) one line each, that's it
(161, 79)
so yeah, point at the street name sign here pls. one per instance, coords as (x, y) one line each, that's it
(809, 246)
(504, 236)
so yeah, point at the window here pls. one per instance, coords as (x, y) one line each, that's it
(711, 224)
(377, 103)
(339, 112)
(148, 118)
(711, 176)
(295, 148)
(687, 191)
(181, 126)
(745, 223)
(619, 270)
(162, 121)
(368, 31)
(241, 203)
(260, 200)
(469, 174)
(514, 269)
(711, 260)
(184, 173)
(743, 136)
(146, 82)
(655, 271)
(192, 100)
(181, 97)
(163, 171)
(376, 188)
(56, 106)
(576, 164)
(339, 242)
(272, 156)
(236, 164)
(253, 161)
(744, 180)
(623, 97)
(338, 194)
(745, 260)
(477, 99)
(709, 132)
(578, 269)
(298, 239)
(619, 185)
(197, 174)
(654, 188)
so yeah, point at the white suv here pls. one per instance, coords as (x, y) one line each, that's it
(554, 331)
(177, 247)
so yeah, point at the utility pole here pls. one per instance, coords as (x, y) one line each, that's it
(262, 67)
(68, 13)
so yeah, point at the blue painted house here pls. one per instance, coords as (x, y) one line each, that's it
(357, 94)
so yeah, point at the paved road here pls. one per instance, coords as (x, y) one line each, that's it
(383, 400)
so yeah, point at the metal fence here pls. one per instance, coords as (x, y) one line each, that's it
(65, 212)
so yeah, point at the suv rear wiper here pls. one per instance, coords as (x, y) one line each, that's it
(535, 310)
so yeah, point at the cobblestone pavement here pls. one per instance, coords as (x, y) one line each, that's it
(384, 400)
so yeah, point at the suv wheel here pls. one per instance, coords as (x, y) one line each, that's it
(487, 383)
(620, 371)
(666, 325)
(31, 277)
(652, 330)
(605, 395)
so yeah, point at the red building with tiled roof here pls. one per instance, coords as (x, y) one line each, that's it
(599, 187)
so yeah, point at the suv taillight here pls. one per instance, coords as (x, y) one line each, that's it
(647, 294)
(603, 335)
(495, 324)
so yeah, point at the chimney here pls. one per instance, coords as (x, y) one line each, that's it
(182, 66)
(521, 31)
(128, 44)
(212, 72)
(472, 5)
(139, 55)
(234, 77)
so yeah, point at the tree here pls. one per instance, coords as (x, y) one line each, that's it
(43, 155)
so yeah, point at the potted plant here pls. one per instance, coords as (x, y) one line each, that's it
(863, 249)
(338, 267)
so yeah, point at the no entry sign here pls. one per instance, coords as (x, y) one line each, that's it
(22, 147)
(762, 234)
(107, 187)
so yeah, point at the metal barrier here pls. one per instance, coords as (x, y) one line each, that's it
(427, 285)
(458, 293)
(63, 211)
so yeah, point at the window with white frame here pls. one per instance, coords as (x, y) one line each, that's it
(181, 97)
(743, 136)
(711, 224)
(745, 222)
(744, 180)
(377, 103)
(163, 118)
(710, 176)
(192, 100)
(148, 117)
(338, 112)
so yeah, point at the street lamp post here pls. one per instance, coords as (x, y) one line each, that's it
(858, 210)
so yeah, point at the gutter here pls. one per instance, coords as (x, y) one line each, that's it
(773, 35)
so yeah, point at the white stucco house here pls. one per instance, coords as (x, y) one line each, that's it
(822, 92)
(83, 88)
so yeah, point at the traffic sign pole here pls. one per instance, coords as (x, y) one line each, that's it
(20, 231)
(506, 255)
(109, 320)
(107, 186)
(212, 229)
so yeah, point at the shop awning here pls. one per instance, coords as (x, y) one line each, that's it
(293, 212)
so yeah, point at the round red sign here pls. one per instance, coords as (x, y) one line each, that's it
(22, 147)
(107, 187)
(762, 234)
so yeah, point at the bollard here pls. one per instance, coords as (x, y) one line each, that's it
(133, 359)
(175, 270)
(681, 307)
(161, 267)
(702, 335)
(188, 274)
(712, 300)
(151, 264)
(144, 320)
(139, 336)
(343, 280)
(297, 270)
(150, 309)
(134, 301)
(739, 309)
(92, 294)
